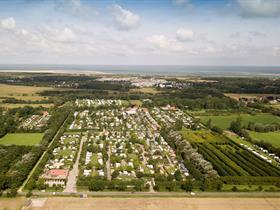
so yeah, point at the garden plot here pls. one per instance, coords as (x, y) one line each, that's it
(227, 157)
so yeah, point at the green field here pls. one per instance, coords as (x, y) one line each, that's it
(269, 137)
(28, 139)
(200, 136)
(223, 121)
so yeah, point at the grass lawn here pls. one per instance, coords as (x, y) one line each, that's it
(269, 137)
(276, 106)
(94, 159)
(223, 121)
(68, 140)
(21, 139)
(136, 102)
(65, 152)
(150, 90)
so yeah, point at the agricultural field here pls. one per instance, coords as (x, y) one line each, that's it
(270, 137)
(155, 203)
(28, 139)
(12, 106)
(229, 158)
(22, 92)
(237, 96)
(150, 90)
(202, 136)
(223, 121)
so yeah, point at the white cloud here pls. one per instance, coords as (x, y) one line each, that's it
(257, 34)
(184, 35)
(276, 51)
(75, 8)
(259, 8)
(60, 35)
(124, 19)
(8, 23)
(162, 43)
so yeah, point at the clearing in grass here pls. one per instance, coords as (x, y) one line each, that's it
(28, 139)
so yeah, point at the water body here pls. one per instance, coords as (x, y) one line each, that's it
(271, 71)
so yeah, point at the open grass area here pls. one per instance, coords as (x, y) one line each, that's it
(65, 152)
(12, 106)
(201, 136)
(150, 90)
(22, 92)
(269, 137)
(136, 102)
(28, 139)
(223, 121)
(276, 106)
(12, 203)
(236, 96)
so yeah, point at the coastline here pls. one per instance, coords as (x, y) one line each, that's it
(58, 71)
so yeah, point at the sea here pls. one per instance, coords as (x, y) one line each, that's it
(169, 70)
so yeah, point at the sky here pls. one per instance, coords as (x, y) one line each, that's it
(140, 32)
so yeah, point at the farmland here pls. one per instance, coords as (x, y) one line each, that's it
(145, 90)
(12, 106)
(270, 137)
(223, 121)
(22, 92)
(228, 158)
(154, 203)
(27, 139)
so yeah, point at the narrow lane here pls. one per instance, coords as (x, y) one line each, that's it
(108, 164)
(72, 177)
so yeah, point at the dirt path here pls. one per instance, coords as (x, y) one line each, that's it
(72, 178)
(108, 164)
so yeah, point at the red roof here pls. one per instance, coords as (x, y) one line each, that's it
(58, 172)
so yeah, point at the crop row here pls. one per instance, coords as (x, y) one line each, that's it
(236, 162)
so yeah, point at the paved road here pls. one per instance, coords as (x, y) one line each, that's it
(160, 194)
(72, 177)
(108, 164)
